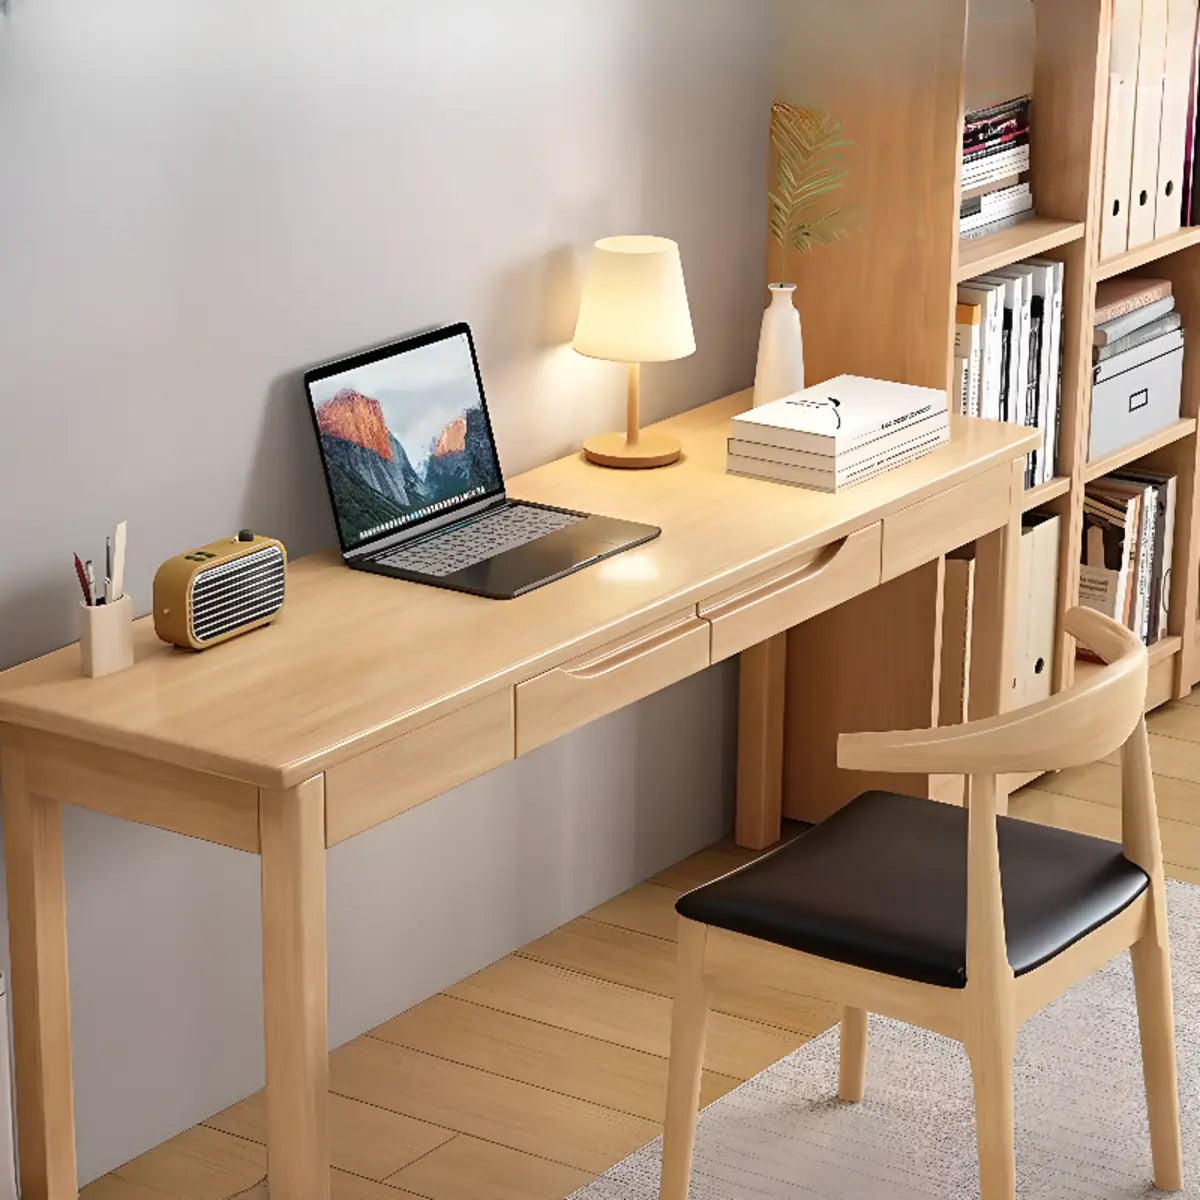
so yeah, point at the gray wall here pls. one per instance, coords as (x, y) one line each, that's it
(198, 198)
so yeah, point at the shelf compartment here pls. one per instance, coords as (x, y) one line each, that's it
(1174, 432)
(978, 256)
(1167, 647)
(1052, 489)
(1141, 256)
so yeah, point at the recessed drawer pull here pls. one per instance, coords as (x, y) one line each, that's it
(761, 607)
(736, 601)
(613, 660)
(609, 678)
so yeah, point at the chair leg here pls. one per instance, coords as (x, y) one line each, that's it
(992, 1073)
(689, 1019)
(1156, 1020)
(852, 1076)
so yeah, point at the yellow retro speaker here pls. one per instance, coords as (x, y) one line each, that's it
(211, 594)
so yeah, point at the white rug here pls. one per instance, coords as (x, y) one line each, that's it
(1081, 1108)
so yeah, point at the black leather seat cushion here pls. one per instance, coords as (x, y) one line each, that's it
(882, 884)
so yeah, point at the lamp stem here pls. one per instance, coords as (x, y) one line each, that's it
(632, 403)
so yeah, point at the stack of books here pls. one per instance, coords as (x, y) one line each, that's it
(995, 169)
(1128, 536)
(838, 433)
(1131, 311)
(1008, 351)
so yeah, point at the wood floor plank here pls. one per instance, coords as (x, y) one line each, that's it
(648, 908)
(719, 859)
(1181, 841)
(364, 1140)
(628, 1017)
(603, 1073)
(484, 1171)
(113, 1187)
(1176, 720)
(636, 960)
(1178, 798)
(201, 1164)
(343, 1186)
(1170, 756)
(704, 867)
(495, 1109)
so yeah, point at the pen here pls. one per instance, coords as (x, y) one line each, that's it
(108, 571)
(90, 574)
(81, 574)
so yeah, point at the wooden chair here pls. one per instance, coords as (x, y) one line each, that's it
(960, 921)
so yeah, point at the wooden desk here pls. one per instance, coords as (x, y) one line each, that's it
(370, 696)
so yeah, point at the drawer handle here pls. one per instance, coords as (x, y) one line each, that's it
(613, 660)
(823, 560)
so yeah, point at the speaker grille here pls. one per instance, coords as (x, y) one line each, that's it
(236, 593)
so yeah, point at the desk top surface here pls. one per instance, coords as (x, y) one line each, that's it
(356, 659)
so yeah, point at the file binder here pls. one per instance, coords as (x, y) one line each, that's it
(1180, 48)
(1118, 148)
(1147, 122)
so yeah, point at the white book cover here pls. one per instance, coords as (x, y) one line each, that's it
(992, 201)
(1167, 560)
(838, 415)
(1049, 425)
(999, 225)
(1020, 296)
(934, 429)
(1018, 204)
(962, 381)
(1041, 281)
(991, 298)
(996, 166)
(822, 481)
(1017, 340)
(1162, 550)
(968, 346)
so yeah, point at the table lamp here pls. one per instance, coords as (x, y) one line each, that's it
(634, 310)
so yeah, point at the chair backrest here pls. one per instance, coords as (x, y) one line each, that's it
(1101, 712)
(1077, 726)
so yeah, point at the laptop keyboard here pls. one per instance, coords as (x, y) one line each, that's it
(462, 546)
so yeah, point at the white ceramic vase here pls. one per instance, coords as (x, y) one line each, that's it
(780, 368)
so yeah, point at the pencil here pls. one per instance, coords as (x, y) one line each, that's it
(83, 583)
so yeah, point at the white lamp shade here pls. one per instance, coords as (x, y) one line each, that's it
(635, 306)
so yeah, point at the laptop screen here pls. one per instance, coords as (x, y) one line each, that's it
(404, 434)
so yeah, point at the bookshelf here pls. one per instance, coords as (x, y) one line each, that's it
(1143, 256)
(882, 301)
(1033, 238)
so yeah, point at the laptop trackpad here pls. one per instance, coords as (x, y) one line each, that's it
(524, 567)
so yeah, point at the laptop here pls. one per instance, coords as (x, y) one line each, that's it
(415, 483)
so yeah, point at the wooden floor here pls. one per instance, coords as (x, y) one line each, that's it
(531, 1077)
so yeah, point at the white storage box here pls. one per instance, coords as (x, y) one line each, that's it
(1136, 393)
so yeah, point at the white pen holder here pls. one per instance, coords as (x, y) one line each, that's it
(106, 637)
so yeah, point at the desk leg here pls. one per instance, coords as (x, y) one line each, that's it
(761, 687)
(994, 616)
(37, 938)
(292, 827)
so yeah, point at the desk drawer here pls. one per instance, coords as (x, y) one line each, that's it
(617, 674)
(769, 604)
(365, 791)
(925, 530)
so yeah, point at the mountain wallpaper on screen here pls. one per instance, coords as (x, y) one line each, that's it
(374, 478)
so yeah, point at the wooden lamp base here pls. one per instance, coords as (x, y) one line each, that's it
(635, 448)
(615, 450)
